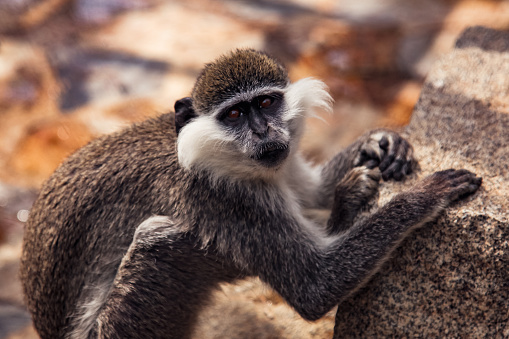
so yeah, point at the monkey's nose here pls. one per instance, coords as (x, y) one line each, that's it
(259, 137)
(258, 125)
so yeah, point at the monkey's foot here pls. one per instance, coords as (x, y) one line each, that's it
(388, 151)
(359, 185)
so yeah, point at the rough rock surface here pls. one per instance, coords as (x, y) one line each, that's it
(451, 279)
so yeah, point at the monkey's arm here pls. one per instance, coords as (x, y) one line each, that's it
(314, 278)
(380, 148)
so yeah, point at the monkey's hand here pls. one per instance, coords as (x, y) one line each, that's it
(388, 151)
(352, 194)
(450, 185)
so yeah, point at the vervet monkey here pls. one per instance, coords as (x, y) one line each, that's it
(132, 232)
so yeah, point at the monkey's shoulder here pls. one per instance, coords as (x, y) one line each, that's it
(150, 138)
(135, 145)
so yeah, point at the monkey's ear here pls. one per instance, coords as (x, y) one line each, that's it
(184, 112)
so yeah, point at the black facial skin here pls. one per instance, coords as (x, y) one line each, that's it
(255, 115)
(271, 154)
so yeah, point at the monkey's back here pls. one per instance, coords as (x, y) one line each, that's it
(85, 216)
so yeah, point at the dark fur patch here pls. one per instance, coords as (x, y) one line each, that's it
(240, 71)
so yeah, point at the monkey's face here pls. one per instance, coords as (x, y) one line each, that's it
(248, 135)
(258, 127)
(251, 134)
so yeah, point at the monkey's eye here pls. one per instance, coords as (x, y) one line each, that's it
(234, 113)
(265, 101)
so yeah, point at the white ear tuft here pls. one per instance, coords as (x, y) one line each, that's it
(305, 95)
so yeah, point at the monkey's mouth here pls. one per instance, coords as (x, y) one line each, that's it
(271, 154)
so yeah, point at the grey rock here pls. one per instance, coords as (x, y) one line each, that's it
(451, 278)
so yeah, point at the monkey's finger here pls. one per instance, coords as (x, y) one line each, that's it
(393, 171)
(397, 169)
(399, 175)
(407, 158)
(404, 151)
(407, 168)
(410, 163)
(372, 154)
(371, 164)
(384, 143)
(369, 156)
(404, 156)
(391, 154)
(464, 186)
(461, 175)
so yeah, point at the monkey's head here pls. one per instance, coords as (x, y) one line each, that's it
(244, 117)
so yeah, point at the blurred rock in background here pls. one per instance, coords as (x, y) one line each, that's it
(71, 70)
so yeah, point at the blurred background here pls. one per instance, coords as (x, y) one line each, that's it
(71, 70)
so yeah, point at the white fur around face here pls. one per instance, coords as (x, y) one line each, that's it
(204, 144)
(303, 96)
(200, 141)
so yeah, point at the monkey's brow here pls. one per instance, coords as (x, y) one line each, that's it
(247, 97)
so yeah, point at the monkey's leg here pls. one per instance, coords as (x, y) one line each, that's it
(353, 193)
(313, 279)
(160, 286)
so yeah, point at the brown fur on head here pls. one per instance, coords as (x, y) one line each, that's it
(240, 71)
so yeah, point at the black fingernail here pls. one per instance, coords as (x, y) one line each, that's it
(386, 162)
(398, 176)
